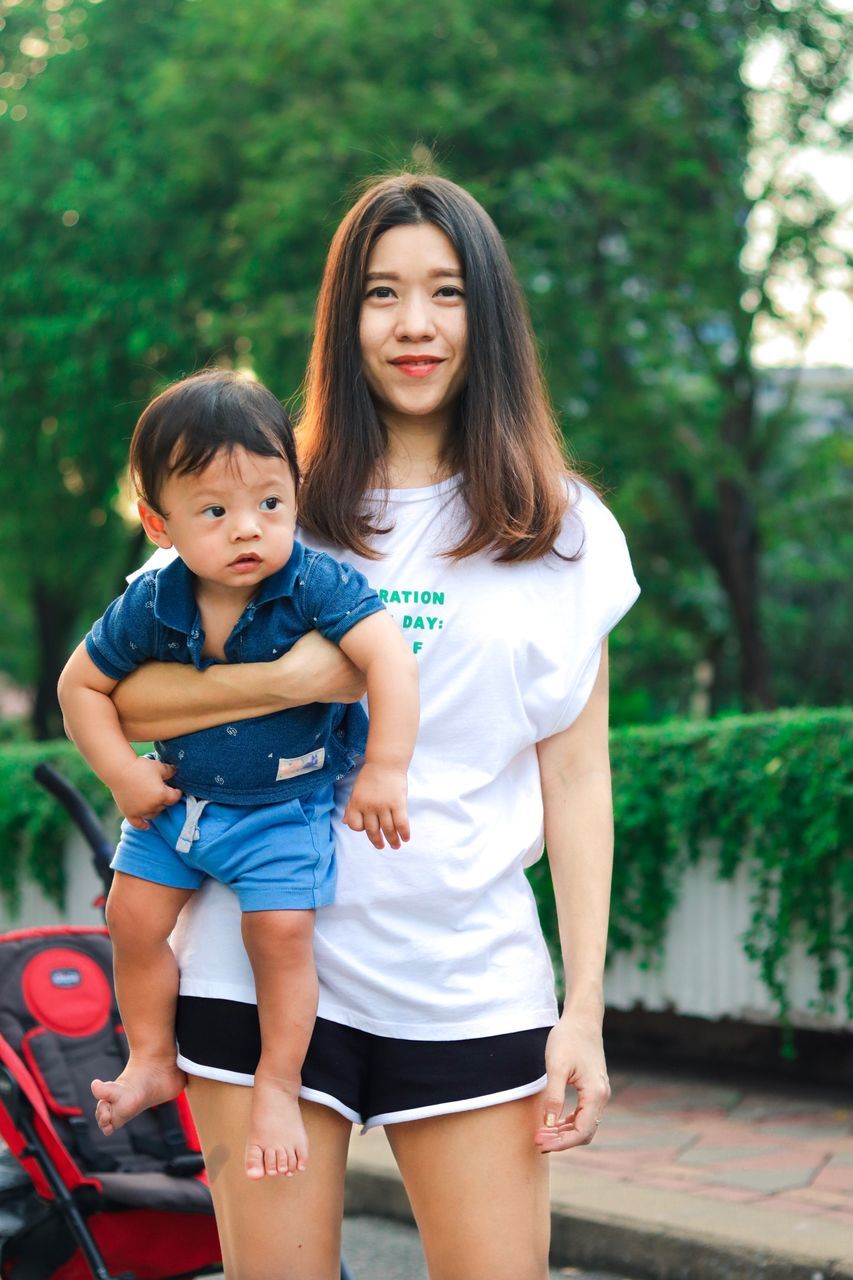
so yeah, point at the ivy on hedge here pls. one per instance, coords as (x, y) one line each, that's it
(772, 790)
(33, 825)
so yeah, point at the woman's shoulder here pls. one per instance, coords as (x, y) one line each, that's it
(589, 528)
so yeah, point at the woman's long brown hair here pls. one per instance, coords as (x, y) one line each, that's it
(505, 443)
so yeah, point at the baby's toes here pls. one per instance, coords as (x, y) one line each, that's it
(283, 1161)
(255, 1161)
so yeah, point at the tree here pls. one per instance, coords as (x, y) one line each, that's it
(84, 305)
(613, 145)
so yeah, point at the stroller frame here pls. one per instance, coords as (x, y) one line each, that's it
(58, 1173)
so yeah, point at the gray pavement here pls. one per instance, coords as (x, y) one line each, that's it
(375, 1247)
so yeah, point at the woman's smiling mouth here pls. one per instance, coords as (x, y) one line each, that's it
(417, 366)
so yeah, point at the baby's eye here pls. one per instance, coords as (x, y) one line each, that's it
(270, 504)
(213, 513)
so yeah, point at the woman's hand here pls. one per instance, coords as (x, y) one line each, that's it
(574, 1057)
(319, 667)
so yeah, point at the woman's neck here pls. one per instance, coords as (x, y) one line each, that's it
(415, 456)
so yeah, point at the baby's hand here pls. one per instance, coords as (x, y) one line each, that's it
(377, 805)
(141, 791)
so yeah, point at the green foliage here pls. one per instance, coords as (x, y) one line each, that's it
(177, 171)
(33, 826)
(772, 791)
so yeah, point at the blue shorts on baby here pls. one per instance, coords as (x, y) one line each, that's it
(276, 857)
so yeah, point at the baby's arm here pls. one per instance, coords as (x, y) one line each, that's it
(377, 805)
(139, 785)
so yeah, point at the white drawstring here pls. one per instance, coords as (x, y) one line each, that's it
(189, 831)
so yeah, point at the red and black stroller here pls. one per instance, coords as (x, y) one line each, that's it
(74, 1204)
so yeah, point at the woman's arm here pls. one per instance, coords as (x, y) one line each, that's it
(575, 770)
(166, 699)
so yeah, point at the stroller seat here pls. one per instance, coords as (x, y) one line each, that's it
(135, 1204)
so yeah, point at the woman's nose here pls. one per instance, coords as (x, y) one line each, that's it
(414, 320)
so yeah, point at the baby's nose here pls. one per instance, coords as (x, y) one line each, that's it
(246, 527)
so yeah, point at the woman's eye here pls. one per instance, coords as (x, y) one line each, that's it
(449, 291)
(213, 513)
(381, 291)
(270, 504)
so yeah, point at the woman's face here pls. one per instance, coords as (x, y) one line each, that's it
(413, 326)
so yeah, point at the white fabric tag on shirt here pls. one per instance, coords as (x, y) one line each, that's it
(308, 763)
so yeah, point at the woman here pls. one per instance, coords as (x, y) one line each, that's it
(431, 462)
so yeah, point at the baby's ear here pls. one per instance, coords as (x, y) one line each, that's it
(153, 524)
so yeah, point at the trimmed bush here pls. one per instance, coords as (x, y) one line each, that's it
(771, 790)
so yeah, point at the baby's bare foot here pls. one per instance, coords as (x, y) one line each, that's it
(142, 1084)
(277, 1142)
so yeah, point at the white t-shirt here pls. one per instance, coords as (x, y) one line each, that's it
(441, 939)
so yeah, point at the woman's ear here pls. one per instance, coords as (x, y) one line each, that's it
(154, 525)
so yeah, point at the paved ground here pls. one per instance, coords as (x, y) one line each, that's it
(689, 1180)
(375, 1247)
(788, 1153)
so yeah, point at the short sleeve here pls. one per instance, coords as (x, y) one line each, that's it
(602, 588)
(336, 597)
(126, 635)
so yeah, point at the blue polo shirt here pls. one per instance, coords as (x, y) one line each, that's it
(276, 757)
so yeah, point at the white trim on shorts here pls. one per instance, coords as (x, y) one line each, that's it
(222, 1074)
(461, 1104)
(373, 1122)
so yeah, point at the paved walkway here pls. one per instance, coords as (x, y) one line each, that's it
(691, 1179)
(788, 1152)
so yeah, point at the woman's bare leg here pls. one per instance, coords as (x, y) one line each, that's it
(479, 1191)
(274, 1228)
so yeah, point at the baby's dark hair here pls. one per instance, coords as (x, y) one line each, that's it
(183, 428)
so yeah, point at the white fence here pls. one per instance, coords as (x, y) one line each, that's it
(703, 970)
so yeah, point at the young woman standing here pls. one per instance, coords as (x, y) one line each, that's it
(433, 464)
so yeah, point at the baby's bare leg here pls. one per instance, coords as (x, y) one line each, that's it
(279, 945)
(141, 915)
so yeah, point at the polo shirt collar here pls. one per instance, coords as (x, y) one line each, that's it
(174, 598)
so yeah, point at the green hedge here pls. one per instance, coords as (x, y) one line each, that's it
(33, 826)
(773, 791)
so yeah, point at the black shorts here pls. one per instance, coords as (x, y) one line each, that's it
(371, 1080)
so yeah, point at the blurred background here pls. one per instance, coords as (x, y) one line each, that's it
(672, 180)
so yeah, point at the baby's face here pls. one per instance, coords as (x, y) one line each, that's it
(233, 523)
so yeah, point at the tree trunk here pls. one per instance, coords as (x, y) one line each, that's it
(53, 615)
(727, 535)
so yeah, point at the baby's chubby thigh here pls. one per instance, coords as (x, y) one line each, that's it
(277, 856)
